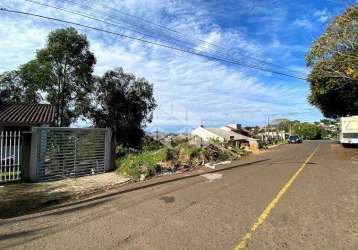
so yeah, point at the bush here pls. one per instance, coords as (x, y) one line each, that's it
(151, 162)
(146, 163)
(308, 131)
(215, 153)
(185, 154)
(149, 144)
(178, 141)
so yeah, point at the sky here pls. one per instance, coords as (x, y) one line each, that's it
(191, 90)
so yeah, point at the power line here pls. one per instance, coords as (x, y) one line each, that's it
(154, 43)
(178, 32)
(99, 20)
(111, 23)
(120, 26)
(144, 20)
(151, 42)
(175, 37)
(213, 51)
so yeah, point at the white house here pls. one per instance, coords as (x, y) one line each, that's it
(223, 135)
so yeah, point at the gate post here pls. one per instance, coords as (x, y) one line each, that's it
(25, 156)
(108, 150)
(34, 155)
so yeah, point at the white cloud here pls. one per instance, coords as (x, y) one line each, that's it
(304, 23)
(200, 90)
(319, 16)
(301, 69)
(322, 15)
(214, 37)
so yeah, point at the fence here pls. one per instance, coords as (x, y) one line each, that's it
(58, 153)
(10, 150)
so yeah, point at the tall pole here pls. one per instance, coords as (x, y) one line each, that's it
(265, 130)
(268, 125)
(186, 124)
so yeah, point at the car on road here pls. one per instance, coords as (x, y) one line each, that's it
(294, 139)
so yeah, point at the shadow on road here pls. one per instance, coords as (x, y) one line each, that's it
(87, 203)
(34, 234)
(168, 199)
(21, 234)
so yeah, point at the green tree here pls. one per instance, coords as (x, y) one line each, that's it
(64, 72)
(307, 131)
(328, 121)
(10, 87)
(284, 125)
(125, 104)
(334, 61)
(15, 87)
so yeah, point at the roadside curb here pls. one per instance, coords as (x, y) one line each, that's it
(107, 192)
(57, 199)
(160, 180)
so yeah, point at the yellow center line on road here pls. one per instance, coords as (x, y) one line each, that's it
(272, 204)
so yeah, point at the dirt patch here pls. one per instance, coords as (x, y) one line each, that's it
(20, 198)
(344, 153)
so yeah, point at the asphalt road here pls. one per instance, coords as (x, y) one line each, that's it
(292, 198)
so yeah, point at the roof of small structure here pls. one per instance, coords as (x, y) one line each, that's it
(228, 134)
(16, 114)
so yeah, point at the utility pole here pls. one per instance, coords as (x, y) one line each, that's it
(186, 124)
(278, 133)
(268, 125)
(265, 130)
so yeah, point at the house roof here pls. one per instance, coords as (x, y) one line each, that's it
(237, 130)
(228, 134)
(15, 114)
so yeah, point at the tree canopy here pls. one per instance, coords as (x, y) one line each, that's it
(67, 63)
(307, 131)
(62, 75)
(62, 70)
(125, 104)
(17, 85)
(334, 61)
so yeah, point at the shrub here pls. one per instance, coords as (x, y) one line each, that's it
(143, 163)
(149, 144)
(150, 162)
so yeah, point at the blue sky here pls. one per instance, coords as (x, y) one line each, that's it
(189, 89)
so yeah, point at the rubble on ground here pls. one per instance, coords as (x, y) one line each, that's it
(178, 159)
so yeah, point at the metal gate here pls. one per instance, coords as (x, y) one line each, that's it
(59, 153)
(10, 149)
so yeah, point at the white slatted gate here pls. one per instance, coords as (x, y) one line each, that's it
(10, 148)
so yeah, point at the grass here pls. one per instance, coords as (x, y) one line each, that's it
(146, 163)
(3, 174)
(17, 198)
(10, 177)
